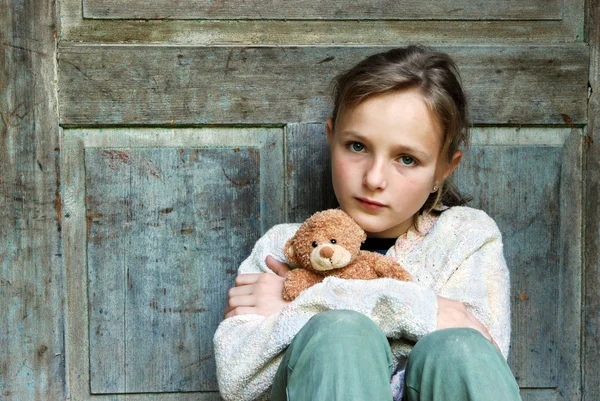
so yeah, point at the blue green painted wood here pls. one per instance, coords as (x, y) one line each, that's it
(308, 171)
(167, 229)
(533, 191)
(135, 199)
(32, 350)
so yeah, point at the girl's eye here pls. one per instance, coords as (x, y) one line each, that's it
(357, 147)
(407, 160)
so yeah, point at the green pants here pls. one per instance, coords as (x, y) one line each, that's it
(343, 355)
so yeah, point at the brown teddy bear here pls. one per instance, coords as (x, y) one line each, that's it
(328, 244)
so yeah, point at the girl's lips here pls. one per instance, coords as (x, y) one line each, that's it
(369, 204)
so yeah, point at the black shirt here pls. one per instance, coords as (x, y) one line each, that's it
(380, 245)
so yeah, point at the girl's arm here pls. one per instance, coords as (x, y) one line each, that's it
(481, 283)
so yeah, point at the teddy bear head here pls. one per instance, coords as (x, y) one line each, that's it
(328, 240)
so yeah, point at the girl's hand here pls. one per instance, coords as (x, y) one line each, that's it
(258, 293)
(454, 314)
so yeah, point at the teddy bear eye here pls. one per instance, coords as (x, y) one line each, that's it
(315, 244)
(333, 241)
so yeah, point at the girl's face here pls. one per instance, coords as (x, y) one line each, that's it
(385, 156)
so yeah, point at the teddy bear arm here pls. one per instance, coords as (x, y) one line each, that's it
(386, 267)
(298, 280)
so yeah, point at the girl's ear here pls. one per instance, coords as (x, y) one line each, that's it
(450, 167)
(329, 130)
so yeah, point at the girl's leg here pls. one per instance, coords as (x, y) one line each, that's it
(338, 355)
(458, 364)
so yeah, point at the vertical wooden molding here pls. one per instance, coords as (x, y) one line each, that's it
(591, 278)
(31, 298)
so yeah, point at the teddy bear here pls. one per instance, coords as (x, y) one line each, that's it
(328, 244)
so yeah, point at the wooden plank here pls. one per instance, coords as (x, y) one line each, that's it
(168, 285)
(178, 221)
(324, 33)
(331, 10)
(308, 171)
(74, 28)
(591, 276)
(539, 394)
(574, 17)
(31, 291)
(182, 85)
(570, 268)
(522, 185)
(108, 227)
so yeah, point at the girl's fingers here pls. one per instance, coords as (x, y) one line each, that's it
(241, 290)
(242, 300)
(241, 311)
(278, 267)
(249, 278)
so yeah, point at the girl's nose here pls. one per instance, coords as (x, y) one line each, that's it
(375, 176)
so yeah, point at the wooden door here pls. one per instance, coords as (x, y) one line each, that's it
(148, 144)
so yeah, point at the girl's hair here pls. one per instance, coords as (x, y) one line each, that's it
(436, 76)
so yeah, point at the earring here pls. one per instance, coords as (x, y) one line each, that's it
(435, 188)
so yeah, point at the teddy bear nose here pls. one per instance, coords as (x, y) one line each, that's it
(326, 252)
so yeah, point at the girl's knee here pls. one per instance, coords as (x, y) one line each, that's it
(457, 347)
(336, 322)
(463, 361)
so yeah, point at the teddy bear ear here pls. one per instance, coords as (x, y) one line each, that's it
(289, 252)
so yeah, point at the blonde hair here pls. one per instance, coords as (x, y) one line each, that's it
(437, 78)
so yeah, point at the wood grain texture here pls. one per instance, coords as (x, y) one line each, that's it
(570, 271)
(332, 10)
(524, 187)
(308, 171)
(539, 395)
(327, 33)
(268, 85)
(166, 226)
(31, 297)
(134, 200)
(591, 277)
(301, 32)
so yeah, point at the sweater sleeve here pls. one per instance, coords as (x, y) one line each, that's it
(480, 280)
(249, 348)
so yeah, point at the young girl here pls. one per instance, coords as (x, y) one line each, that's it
(398, 124)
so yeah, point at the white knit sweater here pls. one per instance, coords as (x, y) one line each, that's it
(457, 255)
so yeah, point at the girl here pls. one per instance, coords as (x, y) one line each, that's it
(398, 123)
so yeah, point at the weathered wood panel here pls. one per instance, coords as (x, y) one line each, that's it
(31, 297)
(539, 395)
(308, 171)
(523, 179)
(153, 235)
(320, 32)
(332, 10)
(166, 85)
(326, 33)
(591, 277)
(166, 229)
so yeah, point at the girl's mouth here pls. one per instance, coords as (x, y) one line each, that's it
(370, 204)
